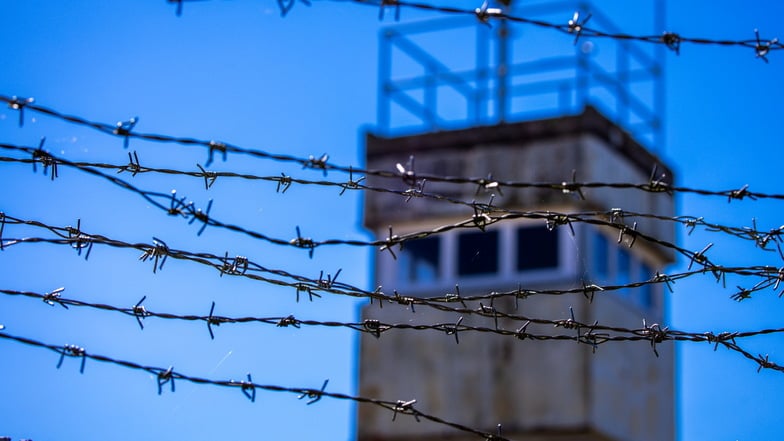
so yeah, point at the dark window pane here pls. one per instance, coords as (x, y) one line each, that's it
(477, 253)
(537, 248)
(420, 259)
(601, 257)
(623, 267)
(646, 291)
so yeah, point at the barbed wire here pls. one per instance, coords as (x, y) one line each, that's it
(575, 26)
(167, 377)
(482, 211)
(769, 277)
(483, 217)
(656, 184)
(593, 334)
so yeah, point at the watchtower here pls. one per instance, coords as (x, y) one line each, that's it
(553, 390)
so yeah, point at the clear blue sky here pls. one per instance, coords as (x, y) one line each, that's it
(304, 85)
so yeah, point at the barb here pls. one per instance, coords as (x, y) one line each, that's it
(762, 49)
(574, 26)
(71, 351)
(384, 5)
(45, 158)
(165, 376)
(123, 129)
(133, 164)
(249, 389)
(213, 320)
(138, 311)
(79, 241)
(52, 298)
(578, 28)
(313, 395)
(202, 216)
(286, 5)
(215, 146)
(157, 251)
(485, 13)
(19, 104)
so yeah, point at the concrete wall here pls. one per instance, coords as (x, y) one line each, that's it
(536, 390)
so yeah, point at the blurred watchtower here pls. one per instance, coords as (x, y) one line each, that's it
(533, 106)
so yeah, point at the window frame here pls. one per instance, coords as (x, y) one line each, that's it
(646, 298)
(393, 274)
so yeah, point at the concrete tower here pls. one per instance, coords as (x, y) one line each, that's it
(536, 390)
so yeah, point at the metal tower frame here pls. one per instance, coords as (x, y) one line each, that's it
(490, 87)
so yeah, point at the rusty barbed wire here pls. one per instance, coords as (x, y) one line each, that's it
(124, 130)
(168, 376)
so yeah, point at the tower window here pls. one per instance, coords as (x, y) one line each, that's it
(419, 259)
(646, 291)
(477, 253)
(537, 248)
(601, 257)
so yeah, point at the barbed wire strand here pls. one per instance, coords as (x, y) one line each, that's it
(377, 328)
(166, 376)
(481, 219)
(125, 130)
(761, 238)
(158, 252)
(577, 27)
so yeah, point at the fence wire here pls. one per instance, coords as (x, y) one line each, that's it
(592, 334)
(166, 378)
(764, 276)
(484, 214)
(398, 172)
(576, 26)
(478, 215)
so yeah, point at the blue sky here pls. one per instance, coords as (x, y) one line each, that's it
(304, 85)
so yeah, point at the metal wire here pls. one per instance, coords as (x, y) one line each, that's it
(479, 216)
(574, 26)
(483, 217)
(761, 238)
(125, 130)
(593, 334)
(577, 27)
(167, 376)
(158, 252)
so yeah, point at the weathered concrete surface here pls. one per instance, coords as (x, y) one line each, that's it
(554, 390)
